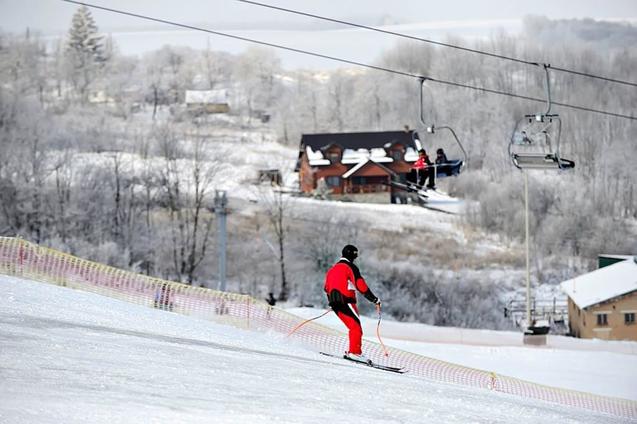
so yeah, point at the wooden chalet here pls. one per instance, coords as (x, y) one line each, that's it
(357, 166)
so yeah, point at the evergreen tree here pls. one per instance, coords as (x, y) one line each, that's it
(85, 50)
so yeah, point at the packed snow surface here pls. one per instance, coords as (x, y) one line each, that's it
(564, 362)
(74, 357)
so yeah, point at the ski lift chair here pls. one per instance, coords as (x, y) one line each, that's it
(452, 166)
(535, 142)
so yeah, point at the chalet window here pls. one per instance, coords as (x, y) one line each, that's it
(629, 318)
(333, 181)
(359, 180)
(602, 319)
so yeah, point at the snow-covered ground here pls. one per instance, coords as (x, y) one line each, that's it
(594, 366)
(68, 356)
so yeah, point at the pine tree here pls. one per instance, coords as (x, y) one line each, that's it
(85, 50)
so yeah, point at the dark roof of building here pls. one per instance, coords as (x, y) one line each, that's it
(359, 140)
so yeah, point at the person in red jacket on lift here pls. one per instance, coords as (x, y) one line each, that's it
(341, 282)
(424, 170)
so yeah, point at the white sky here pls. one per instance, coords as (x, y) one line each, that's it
(435, 20)
(55, 15)
(74, 357)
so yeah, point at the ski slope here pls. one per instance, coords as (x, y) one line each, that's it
(75, 357)
(606, 368)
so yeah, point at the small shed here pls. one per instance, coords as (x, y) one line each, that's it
(207, 101)
(271, 176)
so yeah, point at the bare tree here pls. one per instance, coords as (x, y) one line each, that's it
(338, 91)
(217, 66)
(323, 242)
(190, 225)
(277, 208)
(63, 185)
(256, 70)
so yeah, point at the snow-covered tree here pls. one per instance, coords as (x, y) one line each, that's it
(85, 50)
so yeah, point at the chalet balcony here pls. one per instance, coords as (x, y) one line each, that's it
(366, 188)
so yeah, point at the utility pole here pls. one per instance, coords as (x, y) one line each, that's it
(221, 202)
(528, 271)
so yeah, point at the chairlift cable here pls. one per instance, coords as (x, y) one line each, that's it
(350, 62)
(438, 43)
(383, 31)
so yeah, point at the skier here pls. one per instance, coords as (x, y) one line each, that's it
(424, 169)
(341, 282)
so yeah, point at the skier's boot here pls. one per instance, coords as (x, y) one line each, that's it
(358, 357)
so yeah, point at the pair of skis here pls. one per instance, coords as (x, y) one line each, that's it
(369, 364)
(409, 187)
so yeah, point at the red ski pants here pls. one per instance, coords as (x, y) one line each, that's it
(348, 313)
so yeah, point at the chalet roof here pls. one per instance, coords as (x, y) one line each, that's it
(602, 284)
(359, 140)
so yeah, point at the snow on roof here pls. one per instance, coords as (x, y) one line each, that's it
(603, 255)
(411, 155)
(316, 158)
(320, 162)
(377, 152)
(351, 156)
(313, 155)
(207, 96)
(354, 156)
(356, 168)
(602, 284)
(363, 163)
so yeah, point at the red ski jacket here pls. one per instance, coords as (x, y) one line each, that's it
(342, 281)
(422, 162)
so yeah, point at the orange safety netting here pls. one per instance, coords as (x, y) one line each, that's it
(23, 259)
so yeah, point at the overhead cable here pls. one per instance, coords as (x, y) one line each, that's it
(438, 43)
(350, 62)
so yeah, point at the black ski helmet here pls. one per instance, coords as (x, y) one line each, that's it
(350, 252)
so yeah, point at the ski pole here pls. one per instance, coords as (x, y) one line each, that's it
(306, 321)
(378, 332)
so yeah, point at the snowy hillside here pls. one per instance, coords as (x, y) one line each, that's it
(70, 357)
